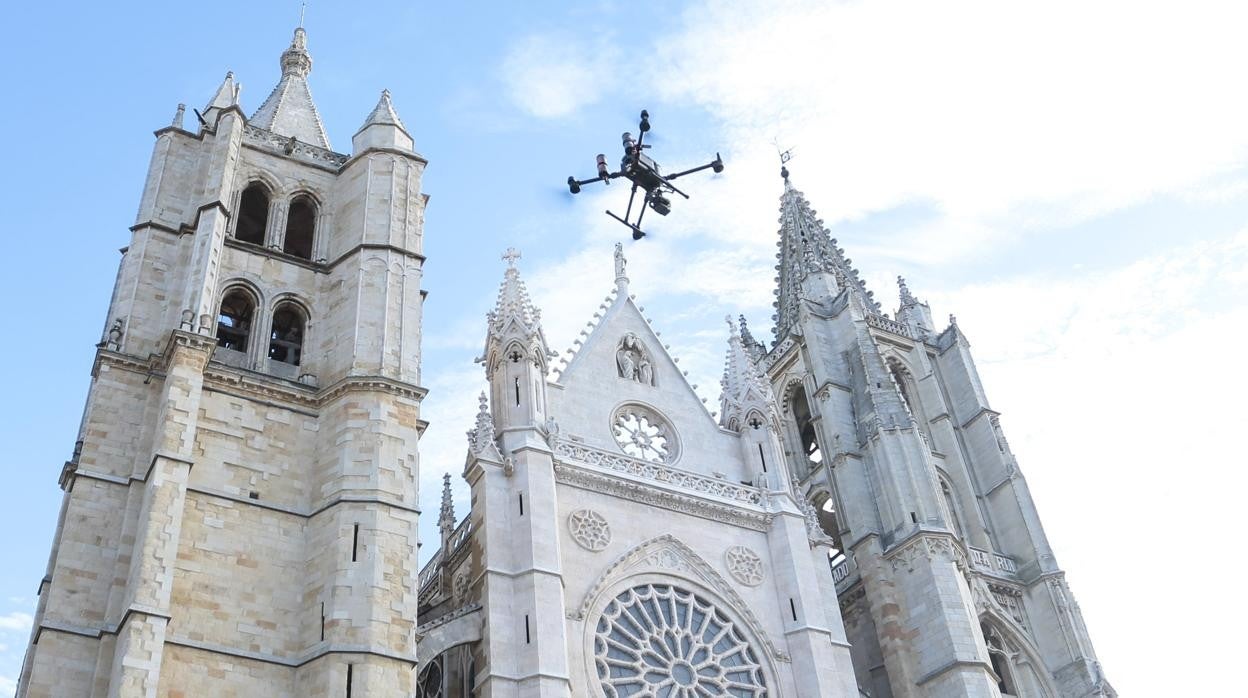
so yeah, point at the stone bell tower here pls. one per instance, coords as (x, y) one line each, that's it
(946, 582)
(240, 510)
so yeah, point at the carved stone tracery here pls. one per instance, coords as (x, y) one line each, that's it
(589, 529)
(744, 565)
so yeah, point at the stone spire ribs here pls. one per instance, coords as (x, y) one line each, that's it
(806, 248)
(515, 324)
(289, 110)
(746, 393)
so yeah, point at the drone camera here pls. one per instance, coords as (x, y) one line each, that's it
(718, 165)
(602, 167)
(661, 204)
(573, 185)
(644, 126)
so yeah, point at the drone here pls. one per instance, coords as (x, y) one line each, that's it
(644, 173)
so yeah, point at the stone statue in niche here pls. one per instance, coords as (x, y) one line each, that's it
(633, 360)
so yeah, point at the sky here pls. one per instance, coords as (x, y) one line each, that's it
(1070, 178)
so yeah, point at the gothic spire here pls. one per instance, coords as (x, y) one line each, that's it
(807, 248)
(289, 110)
(514, 318)
(226, 95)
(446, 517)
(746, 392)
(907, 298)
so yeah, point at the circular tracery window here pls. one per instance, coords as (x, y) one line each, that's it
(660, 641)
(642, 433)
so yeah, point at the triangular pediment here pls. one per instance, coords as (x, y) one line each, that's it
(621, 343)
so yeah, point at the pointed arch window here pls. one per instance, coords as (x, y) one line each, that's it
(253, 214)
(1001, 664)
(955, 521)
(234, 320)
(809, 440)
(300, 227)
(286, 335)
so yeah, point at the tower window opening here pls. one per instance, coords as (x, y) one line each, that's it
(234, 320)
(349, 666)
(806, 431)
(300, 226)
(829, 522)
(286, 338)
(253, 214)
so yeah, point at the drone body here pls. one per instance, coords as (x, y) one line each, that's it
(644, 173)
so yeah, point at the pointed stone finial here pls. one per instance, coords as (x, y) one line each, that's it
(907, 299)
(746, 394)
(382, 128)
(621, 264)
(226, 95)
(178, 116)
(446, 517)
(296, 60)
(481, 437)
(510, 256)
(752, 345)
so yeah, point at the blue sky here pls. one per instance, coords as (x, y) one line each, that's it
(1069, 178)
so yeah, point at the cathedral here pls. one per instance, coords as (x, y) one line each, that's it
(240, 510)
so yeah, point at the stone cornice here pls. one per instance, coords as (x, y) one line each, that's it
(258, 386)
(253, 248)
(408, 154)
(735, 514)
(666, 475)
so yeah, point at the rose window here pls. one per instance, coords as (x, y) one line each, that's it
(660, 641)
(643, 434)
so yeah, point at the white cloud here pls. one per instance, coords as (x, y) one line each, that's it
(553, 76)
(17, 621)
(8, 685)
(1071, 108)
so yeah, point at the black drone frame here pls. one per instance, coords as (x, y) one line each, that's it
(643, 172)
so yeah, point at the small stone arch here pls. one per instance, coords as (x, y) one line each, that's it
(1015, 660)
(290, 320)
(303, 211)
(251, 215)
(235, 322)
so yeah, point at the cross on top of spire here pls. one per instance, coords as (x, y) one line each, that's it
(510, 256)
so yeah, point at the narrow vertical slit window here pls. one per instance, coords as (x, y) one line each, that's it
(355, 542)
(322, 621)
(517, 392)
(527, 638)
(762, 457)
(793, 608)
(349, 667)
(522, 504)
